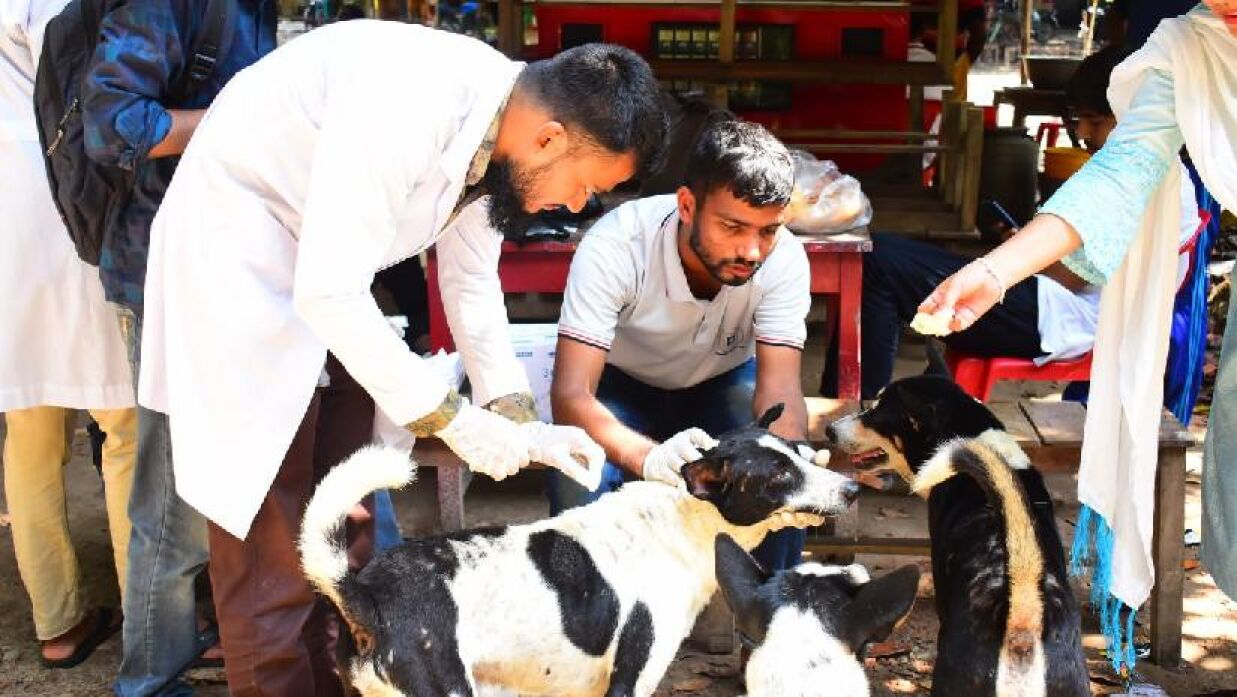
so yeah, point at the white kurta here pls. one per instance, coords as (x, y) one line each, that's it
(60, 344)
(338, 154)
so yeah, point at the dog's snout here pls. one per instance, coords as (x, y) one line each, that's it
(831, 434)
(850, 492)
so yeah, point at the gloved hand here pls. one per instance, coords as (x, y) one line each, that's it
(486, 442)
(664, 461)
(567, 449)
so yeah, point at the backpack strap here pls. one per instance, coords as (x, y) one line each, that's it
(212, 43)
(92, 19)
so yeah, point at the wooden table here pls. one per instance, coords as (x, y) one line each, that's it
(836, 263)
(1051, 435)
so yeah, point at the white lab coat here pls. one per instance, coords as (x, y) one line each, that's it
(60, 343)
(338, 154)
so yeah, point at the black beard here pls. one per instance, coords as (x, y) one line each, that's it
(715, 267)
(508, 192)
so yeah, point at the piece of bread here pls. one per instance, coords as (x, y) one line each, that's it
(932, 325)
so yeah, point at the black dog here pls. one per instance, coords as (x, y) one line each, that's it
(1009, 620)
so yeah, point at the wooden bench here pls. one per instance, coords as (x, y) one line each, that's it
(1051, 434)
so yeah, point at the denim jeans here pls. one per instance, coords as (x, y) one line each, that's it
(716, 405)
(167, 550)
(386, 526)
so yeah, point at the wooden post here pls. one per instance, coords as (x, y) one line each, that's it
(973, 154)
(951, 135)
(1089, 39)
(510, 27)
(453, 482)
(718, 92)
(946, 36)
(1168, 552)
(725, 40)
(1028, 11)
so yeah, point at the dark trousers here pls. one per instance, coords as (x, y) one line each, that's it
(276, 633)
(898, 274)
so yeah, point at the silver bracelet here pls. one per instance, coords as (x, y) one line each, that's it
(992, 272)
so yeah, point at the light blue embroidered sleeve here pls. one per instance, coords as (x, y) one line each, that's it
(1104, 202)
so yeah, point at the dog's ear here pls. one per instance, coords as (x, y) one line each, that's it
(771, 414)
(880, 606)
(707, 478)
(741, 578)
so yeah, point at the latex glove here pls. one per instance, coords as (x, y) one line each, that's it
(664, 461)
(967, 294)
(820, 458)
(486, 442)
(567, 449)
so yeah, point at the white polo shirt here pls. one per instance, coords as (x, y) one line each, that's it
(627, 294)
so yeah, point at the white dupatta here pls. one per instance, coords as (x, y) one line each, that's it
(1120, 446)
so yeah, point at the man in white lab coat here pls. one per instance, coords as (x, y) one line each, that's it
(341, 153)
(60, 349)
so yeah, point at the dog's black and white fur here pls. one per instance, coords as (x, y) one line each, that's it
(593, 602)
(1009, 620)
(810, 625)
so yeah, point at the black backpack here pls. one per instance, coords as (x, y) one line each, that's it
(89, 195)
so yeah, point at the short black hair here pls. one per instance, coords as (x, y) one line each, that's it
(610, 94)
(744, 158)
(1088, 88)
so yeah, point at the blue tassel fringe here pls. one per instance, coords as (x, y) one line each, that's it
(1092, 550)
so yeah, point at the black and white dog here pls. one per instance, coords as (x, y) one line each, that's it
(1009, 620)
(593, 602)
(809, 626)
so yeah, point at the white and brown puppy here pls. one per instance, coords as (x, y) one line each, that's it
(593, 602)
(808, 626)
(1009, 620)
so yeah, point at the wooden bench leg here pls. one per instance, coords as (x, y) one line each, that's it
(453, 481)
(1168, 552)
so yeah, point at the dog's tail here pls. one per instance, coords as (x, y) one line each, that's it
(323, 557)
(1021, 671)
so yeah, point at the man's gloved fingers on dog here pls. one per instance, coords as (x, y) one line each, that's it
(820, 458)
(699, 438)
(687, 444)
(561, 458)
(662, 465)
(572, 440)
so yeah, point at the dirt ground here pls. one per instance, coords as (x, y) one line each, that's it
(1210, 652)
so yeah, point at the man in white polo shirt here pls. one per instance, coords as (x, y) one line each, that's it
(683, 317)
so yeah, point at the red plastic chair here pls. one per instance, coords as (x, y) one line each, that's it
(978, 375)
(1050, 129)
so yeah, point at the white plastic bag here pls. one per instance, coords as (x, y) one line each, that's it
(825, 200)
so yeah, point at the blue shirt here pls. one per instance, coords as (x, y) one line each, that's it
(128, 91)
